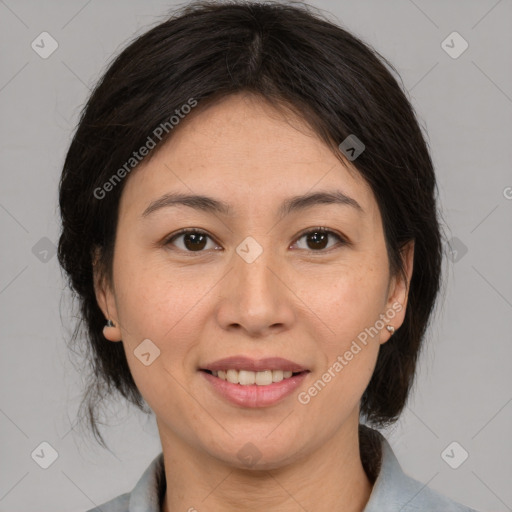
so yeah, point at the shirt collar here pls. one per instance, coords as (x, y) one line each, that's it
(148, 493)
(392, 488)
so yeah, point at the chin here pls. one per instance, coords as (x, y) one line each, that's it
(256, 453)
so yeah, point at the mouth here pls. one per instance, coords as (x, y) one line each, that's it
(250, 382)
(250, 378)
(250, 389)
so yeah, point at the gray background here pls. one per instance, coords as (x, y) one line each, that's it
(463, 391)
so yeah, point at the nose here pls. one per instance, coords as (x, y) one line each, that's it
(256, 297)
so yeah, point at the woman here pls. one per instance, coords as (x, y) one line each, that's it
(250, 224)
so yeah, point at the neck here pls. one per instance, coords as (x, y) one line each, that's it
(330, 478)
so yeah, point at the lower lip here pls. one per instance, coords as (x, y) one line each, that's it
(254, 395)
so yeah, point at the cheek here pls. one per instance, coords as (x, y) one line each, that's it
(348, 359)
(152, 300)
(162, 311)
(348, 304)
(346, 301)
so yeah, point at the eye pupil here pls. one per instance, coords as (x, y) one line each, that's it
(195, 240)
(319, 239)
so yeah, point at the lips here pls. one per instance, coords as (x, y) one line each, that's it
(254, 365)
(254, 395)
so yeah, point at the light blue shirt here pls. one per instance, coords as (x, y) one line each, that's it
(393, 491)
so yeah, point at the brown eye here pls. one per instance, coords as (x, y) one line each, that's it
(318, 239)
(193, 240)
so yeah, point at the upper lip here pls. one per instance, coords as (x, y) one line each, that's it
(255, 365)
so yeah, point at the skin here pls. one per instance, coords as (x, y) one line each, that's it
(295, 301)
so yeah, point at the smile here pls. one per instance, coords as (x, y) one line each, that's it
(253, 389)
(248, 377)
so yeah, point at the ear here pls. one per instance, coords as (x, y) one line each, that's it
(398, 291)
(105, 298)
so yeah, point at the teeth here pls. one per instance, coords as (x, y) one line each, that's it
(247, 378)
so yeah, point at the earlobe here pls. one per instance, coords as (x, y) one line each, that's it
(111, 331)
(390, 329)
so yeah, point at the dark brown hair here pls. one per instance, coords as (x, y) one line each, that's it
(294, 58)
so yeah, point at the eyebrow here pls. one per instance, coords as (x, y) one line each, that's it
(212, 205)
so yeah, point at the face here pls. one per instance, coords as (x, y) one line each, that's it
(306, 283)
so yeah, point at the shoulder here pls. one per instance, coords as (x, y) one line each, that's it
(425, 499)
(119, 504)
(395, 490)
(146, 495)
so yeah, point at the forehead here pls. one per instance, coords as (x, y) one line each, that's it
(244, 151)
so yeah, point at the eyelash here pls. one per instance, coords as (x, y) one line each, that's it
(319, 229)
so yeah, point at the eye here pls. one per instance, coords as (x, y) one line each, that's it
(317, 239)
(194, 240)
